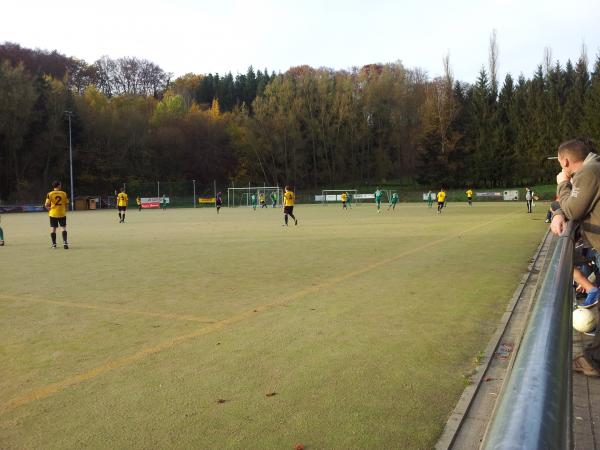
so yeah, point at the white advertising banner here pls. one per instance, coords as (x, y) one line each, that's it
(152, 202)
(511, 195)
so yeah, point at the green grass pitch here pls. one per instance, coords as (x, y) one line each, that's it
(188, 329)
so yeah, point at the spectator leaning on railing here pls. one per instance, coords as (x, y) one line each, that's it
(578, 189)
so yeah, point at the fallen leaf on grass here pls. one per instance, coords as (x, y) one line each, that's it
(271, 394)
(221, 400)
(298, 447)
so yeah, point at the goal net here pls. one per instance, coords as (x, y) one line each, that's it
(242, 196)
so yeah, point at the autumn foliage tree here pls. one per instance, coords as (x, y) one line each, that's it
(310, 127)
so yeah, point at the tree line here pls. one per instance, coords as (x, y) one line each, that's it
(309, 127)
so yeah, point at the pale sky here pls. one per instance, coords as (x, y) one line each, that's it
(201, 36)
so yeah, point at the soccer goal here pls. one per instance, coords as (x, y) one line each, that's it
(242, 196)
(335, 195)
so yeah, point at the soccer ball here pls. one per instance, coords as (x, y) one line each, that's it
(584, 320)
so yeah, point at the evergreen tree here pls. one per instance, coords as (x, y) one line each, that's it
(480, 131)
(250, 87)
(506, 133)
(591, 122)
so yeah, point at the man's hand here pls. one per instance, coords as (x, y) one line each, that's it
(558, 224)
(562, 177)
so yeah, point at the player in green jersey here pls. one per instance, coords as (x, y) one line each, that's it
(429, 199)
(378, 195)
(393, 201)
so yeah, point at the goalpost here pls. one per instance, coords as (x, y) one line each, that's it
(335, 195)
(241, 196)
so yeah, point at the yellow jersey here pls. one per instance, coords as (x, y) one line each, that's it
(138, 201)
(122, 199)
(344, 197)
(56, 203)
(469, 193)
(441, 196)
(288, 198)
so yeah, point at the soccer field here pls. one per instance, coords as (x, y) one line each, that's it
(188, 329)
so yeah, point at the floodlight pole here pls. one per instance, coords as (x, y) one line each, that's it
(194, 182)
(69, 114)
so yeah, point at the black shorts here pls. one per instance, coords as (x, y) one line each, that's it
(441, 204)
(122, 208)
(288, 209)
(343, 203)
(55, 222)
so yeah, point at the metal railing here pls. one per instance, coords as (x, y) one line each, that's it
(535, 410)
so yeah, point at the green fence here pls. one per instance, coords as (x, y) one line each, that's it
(185, 194)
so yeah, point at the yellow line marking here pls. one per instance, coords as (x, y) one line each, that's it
(118, 363)
(109, 308)
(375, 265)
(46, 391)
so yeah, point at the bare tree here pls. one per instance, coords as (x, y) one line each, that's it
(105, 67)
(444, 96)
(130, 75)
(547, 60)
(448, 74)
(493, 62)
(583, 57)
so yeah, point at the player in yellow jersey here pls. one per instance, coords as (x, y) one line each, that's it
(288, 206)
(56, 204)
(469, 196)
(344, 198)
(441, 199)
(261, 200)
(138, 201)
(122, 200)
